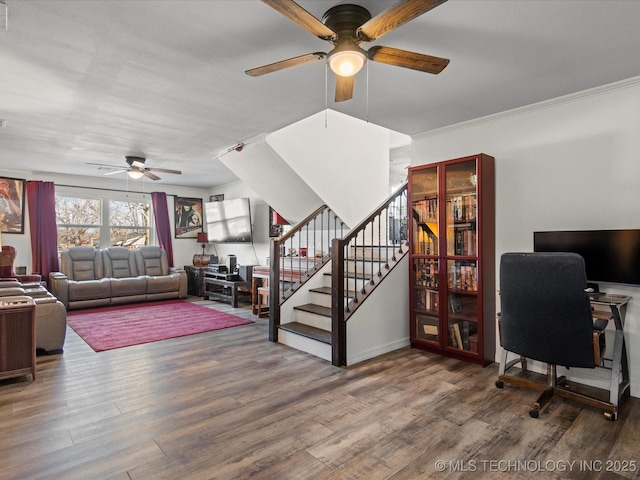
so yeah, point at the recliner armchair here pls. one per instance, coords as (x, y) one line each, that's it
(51, 315)
(546, 316)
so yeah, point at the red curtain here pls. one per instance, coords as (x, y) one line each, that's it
(163, 226)
(41, 199)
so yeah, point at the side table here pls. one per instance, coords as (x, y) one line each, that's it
(195, 280)
(17, 337)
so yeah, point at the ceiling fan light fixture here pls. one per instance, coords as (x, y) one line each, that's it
(347, 58)
(135, 173)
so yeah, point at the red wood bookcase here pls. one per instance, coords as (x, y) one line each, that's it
(452, 258)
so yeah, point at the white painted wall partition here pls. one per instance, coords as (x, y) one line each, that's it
(344, 160)
(381, 324)
(572, 163)
(269, 175)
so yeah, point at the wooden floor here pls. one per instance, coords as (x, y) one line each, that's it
(231, 405)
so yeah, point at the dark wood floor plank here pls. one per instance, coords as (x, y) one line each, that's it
(229, 404)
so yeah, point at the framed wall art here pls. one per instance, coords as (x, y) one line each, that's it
(12, 205)
(188, 217)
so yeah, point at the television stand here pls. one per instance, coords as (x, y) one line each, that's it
(225, 288)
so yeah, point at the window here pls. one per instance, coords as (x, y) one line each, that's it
(102, 221)
(129, 223)
(79, 222)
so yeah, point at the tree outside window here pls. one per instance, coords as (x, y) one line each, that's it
(83, 222)
(129, 224)
(79, 222)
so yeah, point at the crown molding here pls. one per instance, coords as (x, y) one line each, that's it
(569, 98)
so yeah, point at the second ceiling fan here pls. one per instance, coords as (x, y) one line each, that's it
(346, 26)
(137, 168)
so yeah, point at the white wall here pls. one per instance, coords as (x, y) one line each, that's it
(270, 177)
(571, 163)
(344, 160)
(381, 323)
(246, 254)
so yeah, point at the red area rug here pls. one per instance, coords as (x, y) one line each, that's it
(107, 328)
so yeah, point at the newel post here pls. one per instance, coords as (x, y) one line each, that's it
(338, 325)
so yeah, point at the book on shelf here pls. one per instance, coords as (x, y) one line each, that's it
(463, 276)
(458, 334)
(465, 334)
(462, 207)
(453, 342)
(430, 329)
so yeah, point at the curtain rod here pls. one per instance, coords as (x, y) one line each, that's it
(105, 189)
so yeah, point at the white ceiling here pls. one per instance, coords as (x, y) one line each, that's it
(93, 81)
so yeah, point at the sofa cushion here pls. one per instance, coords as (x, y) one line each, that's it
(163, 283)
(119, 262)
(89, 289)
(81, 263)
(152, 260)
(126, 287)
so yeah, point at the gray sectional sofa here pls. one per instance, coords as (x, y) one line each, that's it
(91, 277)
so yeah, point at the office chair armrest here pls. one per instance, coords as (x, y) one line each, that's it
(600, 324)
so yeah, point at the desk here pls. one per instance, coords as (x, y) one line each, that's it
(223, 287)
(259, 282)
(620, 363)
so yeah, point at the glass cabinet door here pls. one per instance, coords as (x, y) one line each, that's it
(462, 251)
(462, 305)
(426, 298)
(425, 263)
(461, 179)
(424, 202)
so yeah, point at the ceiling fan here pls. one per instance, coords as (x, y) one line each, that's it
(137, 169)
(346, 26)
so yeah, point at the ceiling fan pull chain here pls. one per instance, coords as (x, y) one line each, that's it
(367, 93)
(326, 94)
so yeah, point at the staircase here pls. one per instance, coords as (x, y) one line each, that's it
(310, 328)
(311, 315)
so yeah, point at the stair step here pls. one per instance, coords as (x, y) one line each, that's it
(307, 331)
(323, 290)
(313, 308)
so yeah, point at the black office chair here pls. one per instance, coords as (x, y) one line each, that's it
(546, 316)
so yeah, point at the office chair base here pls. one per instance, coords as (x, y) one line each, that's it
(551, 386)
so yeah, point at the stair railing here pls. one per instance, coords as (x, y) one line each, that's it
(362, 259)
(297, 255)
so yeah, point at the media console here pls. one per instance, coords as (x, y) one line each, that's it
(226, 287)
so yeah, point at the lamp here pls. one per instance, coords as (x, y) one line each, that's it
(347, 58)
(203, 239)
(135, 173)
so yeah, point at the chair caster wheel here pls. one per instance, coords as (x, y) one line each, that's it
(499, 383)
(534, 413)
(610, 416)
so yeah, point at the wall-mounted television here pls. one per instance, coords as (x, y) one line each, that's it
(609, 255)
(229, 221)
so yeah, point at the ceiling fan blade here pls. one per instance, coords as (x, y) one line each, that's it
(393, 17)
(344, 88)
(115, 173)
(406, 59)
(163, 170)
(282, 64)
(301, 17)
(104, 165)
(150, 175)
(137, 164)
